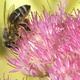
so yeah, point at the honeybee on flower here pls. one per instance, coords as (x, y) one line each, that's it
(52, 48)
(14, 19)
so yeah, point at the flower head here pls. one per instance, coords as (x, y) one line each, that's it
(51, 48)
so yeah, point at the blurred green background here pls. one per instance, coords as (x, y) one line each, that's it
(36, 5)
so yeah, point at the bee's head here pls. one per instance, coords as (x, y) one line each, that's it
(8, 44)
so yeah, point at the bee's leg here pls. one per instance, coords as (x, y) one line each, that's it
(24, 26)
(12, 42)
(17, 35)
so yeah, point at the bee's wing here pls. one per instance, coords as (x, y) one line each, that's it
(4, 16)
(11, 9)
(7, 13)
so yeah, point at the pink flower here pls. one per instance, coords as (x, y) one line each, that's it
(51, 48)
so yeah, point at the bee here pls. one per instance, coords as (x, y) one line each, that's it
(14, 21)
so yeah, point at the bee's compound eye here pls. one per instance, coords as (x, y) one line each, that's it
(8, 45)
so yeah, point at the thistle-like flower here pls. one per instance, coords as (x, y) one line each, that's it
(51, 48)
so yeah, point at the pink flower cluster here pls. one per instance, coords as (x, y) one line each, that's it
(51, 48)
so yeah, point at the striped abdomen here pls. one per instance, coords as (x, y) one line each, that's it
(19, 14)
